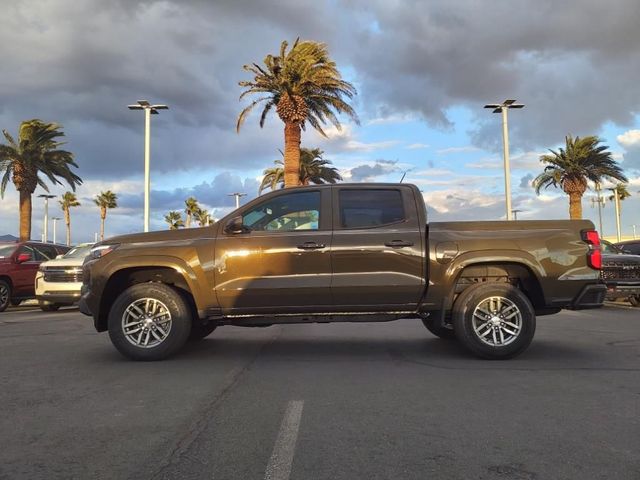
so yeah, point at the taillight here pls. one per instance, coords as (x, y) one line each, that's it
(594, 256)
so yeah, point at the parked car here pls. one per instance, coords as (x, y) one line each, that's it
(629, 246)
(344, 252)
(19, 262)
(58, 281)
(621, 273)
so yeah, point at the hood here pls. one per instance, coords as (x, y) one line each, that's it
(164, 235)
(63, 262)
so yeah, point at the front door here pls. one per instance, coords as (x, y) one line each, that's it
(377, 249)
(281, 263)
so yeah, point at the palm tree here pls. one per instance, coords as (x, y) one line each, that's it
(304, 85)
(623, 192)
(202, 217)
(313, 169)
(192, 206)
(68, 200)
(36, 152)
(105, 201)
(174, 219)
(570, 168)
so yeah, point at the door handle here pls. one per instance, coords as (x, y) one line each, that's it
(311, 246)
(398, 244)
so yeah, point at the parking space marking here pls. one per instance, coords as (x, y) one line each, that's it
(279, 467)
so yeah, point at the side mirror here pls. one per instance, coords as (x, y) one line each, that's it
(23, 257)
(236, 226)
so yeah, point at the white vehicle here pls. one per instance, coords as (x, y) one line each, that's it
(58, 281)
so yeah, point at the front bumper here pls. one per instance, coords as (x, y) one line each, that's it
(617, 290)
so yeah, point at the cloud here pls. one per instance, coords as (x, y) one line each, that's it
(367, 172)
(450, 150)
(630, 140)
(525, 182)
(416, 146)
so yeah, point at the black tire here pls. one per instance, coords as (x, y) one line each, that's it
(200, 330)
(49, 307)
(507, 300)
(174, 326)
(438, 330)
(635, 300)
(5, 295)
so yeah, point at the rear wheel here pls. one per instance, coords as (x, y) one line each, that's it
(149, 321)
(494, 320)
(438, 330)
(5, 295)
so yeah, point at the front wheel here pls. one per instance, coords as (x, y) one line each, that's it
(149, 321)
(494, 320)
(49, 307)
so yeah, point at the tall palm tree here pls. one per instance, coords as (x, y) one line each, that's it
(304, 85)
(313, 169)
(174, 219)
(36, 152)
(570, 168)
(68, 200)
(105, 201)
(202, 217)
(192, 207)
(623, 192)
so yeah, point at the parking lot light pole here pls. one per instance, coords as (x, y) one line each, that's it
(55, 224)
(502, 108)
(148, 111)
(237, 195)
(45, 230)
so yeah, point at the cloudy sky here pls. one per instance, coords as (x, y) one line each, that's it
(423, 71)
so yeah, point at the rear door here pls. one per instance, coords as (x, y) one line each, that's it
(377, 249)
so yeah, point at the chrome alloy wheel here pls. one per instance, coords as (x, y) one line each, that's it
(146, 323)
(497, 321)
(4, 294)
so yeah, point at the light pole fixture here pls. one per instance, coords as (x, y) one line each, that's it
(55, 223)
(502, 108)
(515, 212)
(45, 230)
(148, 111)
(237, 195)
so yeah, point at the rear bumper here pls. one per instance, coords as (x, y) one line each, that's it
(591, 296)
(58, 297)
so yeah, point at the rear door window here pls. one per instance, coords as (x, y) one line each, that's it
(367, 208)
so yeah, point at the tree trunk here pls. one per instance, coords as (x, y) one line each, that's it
(103, 215)
(575, 206)
(188, 220)
(25, 216)
(67, 221)
(291, 155)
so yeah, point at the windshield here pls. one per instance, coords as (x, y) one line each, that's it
(80, 251)
(7, 250)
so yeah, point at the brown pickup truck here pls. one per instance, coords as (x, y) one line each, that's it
(345, 252)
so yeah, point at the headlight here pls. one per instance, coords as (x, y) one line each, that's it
(102, 250)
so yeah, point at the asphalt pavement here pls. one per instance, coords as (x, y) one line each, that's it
(323, 401)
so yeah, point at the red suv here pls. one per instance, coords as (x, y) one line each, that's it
(19, 262)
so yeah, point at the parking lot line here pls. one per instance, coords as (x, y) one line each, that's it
(279, 467)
